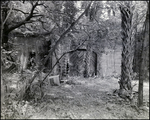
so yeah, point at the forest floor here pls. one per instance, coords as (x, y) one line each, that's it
(90, 98)
(84, 99)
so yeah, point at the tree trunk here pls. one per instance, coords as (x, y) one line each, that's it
(114, 52)
(136, 54)
(24, 57)
(5, 35)
(4, 28)
(144, 61)
(2, 93)
(127, 53)
(87, 61)
(95, 65)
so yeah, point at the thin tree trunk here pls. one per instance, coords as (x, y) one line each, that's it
(136, 51)
(95, 65)
(4, 28)
(107, 65)
(141, 77)
(144, 69)
(1, 25)
(114, 61)
(88, 61)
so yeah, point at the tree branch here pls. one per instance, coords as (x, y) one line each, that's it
(52, 67)
(63, 34)
(37, 15)
(49, 32)
(7, 15)
(71, 51)
(15, 10)
(42, 22)
(26, 19)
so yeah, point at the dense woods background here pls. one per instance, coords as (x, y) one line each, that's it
(44, 41)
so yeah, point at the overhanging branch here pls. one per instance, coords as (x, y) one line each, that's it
(52, 67)
(71, 51)
(25, 20)
(63, 34)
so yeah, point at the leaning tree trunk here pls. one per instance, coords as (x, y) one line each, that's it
(125, 90)
(144, 61)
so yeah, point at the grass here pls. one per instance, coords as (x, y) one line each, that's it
(90, 98)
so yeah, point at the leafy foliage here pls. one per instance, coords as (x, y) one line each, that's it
(69, 35)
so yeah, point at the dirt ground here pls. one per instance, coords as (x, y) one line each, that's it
(90, 98)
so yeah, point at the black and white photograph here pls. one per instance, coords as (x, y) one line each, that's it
(74, 59)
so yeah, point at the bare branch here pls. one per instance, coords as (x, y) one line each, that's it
(32, 79)
(24, 21)
(40, 4)
(20, 11)
(55, 22)
(15, 10)
(7, 15)
(43, 25)
(86, 32)
(49, 32)
(71, 51)
(37, 15)
(63, 34)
